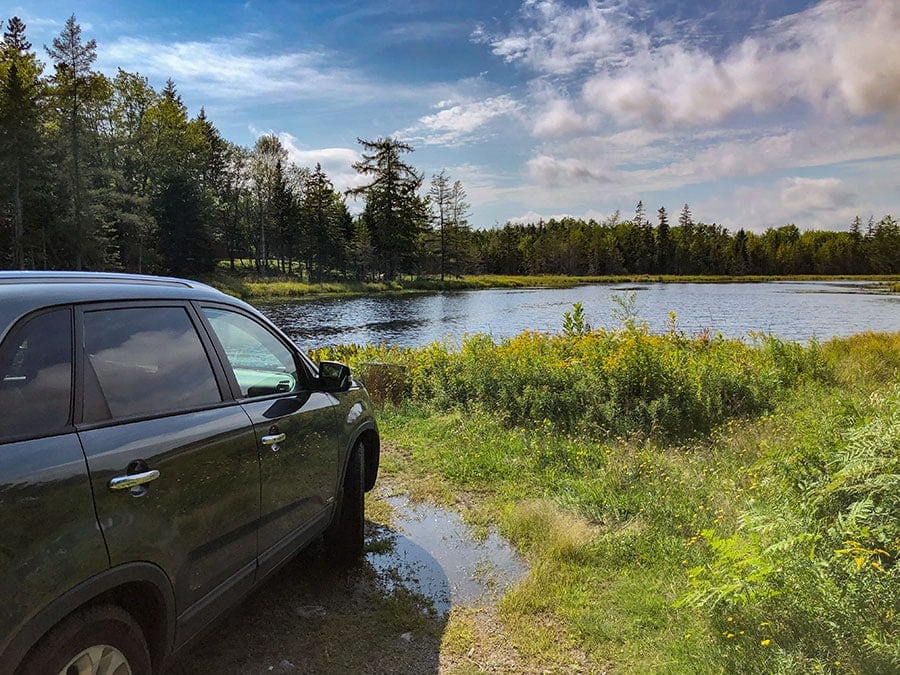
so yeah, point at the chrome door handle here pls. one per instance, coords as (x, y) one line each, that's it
(133, 480)
(273, 439)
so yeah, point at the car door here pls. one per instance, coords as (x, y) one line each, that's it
(296, 428)
(173, 458)
(50, 541)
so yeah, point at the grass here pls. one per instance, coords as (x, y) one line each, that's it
(246, 284)
(762, 540)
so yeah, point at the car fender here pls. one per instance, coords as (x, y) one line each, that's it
(104, 584)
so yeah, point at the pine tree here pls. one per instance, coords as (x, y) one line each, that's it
(639, 214)
(395, 213)
(20, 130)
(267, 154)
(740, 255)
(687, 253)
(459, 228)
(183, 216)
(638, 247)
(857, 247)
(324, 212)
(664, 248)
(234, 231)
(73, 89)
(439, 201)
(362, 252)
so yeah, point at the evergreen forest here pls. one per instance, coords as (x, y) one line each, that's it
(107, 173)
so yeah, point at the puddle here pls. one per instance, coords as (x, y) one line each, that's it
(432, 552)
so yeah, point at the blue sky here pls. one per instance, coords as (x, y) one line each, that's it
(756, 113)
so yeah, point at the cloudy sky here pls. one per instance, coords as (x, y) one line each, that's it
(755, 112)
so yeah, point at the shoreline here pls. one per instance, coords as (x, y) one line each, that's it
(274, 289)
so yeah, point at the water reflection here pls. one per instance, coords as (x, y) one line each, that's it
(433, 553)
(793, 310)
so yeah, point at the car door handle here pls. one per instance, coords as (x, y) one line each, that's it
(133, 480)
(273, 439)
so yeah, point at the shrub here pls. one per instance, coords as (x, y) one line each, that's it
(811, 574)
(599, 382)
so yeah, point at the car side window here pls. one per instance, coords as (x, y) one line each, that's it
(262, 365)
(36, 376)
(144, 361)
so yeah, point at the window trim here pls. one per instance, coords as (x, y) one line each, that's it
(81, 359)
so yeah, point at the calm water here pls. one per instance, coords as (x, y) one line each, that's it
(792, 310)
(433, 553)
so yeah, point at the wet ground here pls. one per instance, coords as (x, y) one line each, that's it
(387, 614)
(432, 552)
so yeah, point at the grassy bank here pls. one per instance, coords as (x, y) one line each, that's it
(686, 504)
(257, 289)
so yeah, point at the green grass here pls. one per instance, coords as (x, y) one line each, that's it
(245, 283)
(761, 539)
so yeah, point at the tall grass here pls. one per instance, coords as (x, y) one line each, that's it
(601, 383)
(809, 570)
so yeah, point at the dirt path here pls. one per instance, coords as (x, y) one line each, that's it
(422, 601)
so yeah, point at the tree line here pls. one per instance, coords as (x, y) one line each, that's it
(637, 246)
(108, 173)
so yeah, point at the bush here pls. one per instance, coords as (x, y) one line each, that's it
(811, 575)
(600, 383)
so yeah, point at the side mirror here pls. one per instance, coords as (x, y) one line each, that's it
(334, 376)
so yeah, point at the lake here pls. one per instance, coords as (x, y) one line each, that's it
(797, 311)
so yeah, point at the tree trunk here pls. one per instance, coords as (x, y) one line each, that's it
(18, 229)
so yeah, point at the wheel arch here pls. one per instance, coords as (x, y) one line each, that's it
(371, 441)
(141, 589)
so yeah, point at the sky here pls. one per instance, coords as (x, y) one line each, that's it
(756, 113)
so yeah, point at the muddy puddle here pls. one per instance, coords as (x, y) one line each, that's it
(385, 614)
(431, 552)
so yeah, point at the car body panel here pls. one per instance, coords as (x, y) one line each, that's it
(51, 540)
(197, 520)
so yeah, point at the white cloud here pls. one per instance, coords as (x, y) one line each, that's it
(558, 118)
(808, 195)
(809, 203)
(336, 162)
(36, 23)
(836, 57)
(552, 171)
(533, 218)
(560, 39)
(457, 123)
(526, 218)
(240, 70)
(634, 162)
(758, 153)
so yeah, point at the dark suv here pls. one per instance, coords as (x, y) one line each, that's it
(163, 448)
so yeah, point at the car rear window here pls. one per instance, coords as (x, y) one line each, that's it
(36, 376)
(144, 361)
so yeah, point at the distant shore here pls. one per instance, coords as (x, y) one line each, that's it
(278, 287)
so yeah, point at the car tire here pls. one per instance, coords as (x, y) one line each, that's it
(345, 537)
(101, 640)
